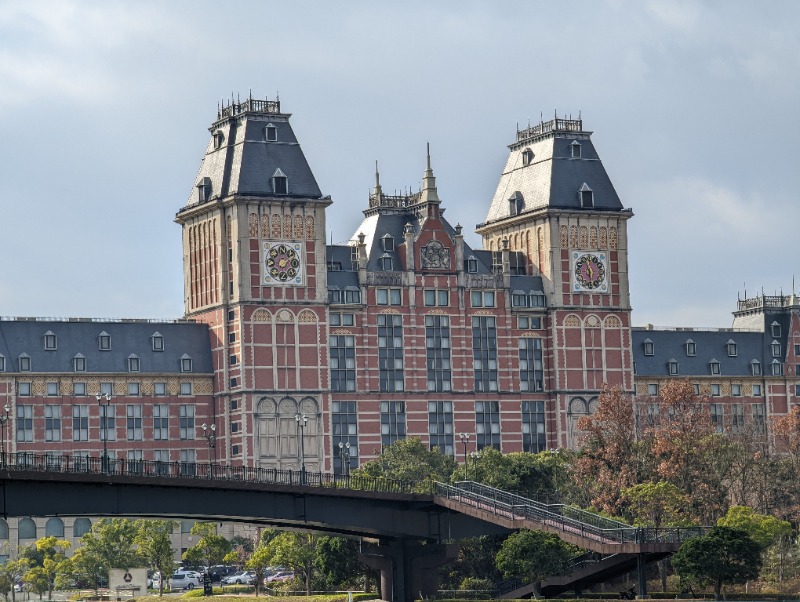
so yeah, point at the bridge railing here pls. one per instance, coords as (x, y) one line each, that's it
(598, 528)
(111, 466)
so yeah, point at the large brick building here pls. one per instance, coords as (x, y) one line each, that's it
(290, 346)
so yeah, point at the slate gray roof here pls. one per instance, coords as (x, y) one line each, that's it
(709, 346)
(553, 178)
(527, 284)
(245, 161)
(18, 337)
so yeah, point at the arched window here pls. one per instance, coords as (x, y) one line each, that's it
(3, 529)
(81, 527)
(54, 527)
(26, 528)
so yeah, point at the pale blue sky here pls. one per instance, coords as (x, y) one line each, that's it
(105, 107)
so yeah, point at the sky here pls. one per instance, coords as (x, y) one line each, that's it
(105, 109)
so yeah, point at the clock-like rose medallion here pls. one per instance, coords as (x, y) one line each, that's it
(282, 263)
(589, 272)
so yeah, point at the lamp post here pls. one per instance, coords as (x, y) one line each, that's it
(3, 420)
(210, 434)
(302, 422)
(107, 397)
(344, 457)
(465, 439)
(476, 455)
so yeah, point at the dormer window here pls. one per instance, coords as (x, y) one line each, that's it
(24, 362)
(386, 262)
(777, 368)
(776, 348)
(713, 367)
(50, 341)
(186, 363)
(649, 348)
(775, 329)
(472, 265)
(270, 133)
(575, 150)
(104, 341)
(516, 203)
(587, 196)
(280, 184)
(388, 242)
(691, 348)
(157, 340)
(2, 363)
(133, 363)
(673, 366)
(79, 363)
(527, 156)
(755, 368)
(204, 190)
(219, 138)
(730, 347)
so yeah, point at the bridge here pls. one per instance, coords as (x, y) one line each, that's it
(404, 527)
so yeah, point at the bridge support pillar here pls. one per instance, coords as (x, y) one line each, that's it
(641, 574)
(407, 568)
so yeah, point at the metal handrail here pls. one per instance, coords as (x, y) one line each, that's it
(110, 466)
(509, 505)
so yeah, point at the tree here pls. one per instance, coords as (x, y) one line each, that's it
(409, 460)
(610, 456)
(11, 573)
(476, 558)
(54, 563)
(765, 530)
(656, 505)
(155, 546)
(111, 542)
(296, 551)
(723, 555)
(526, 474)
(336, 565)
(258, 562)
(535, 554)
(210, 548)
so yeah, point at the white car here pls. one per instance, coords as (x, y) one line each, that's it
(185, 580)
(240, 578)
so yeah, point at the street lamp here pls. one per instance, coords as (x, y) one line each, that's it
(100, 397)
(210, 434)
(302, 423)
(344, 457)
(3, 420)
(476, 455)
(465, 439)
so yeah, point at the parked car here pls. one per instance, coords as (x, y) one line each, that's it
(240, 578)
(280, 576)
(185, 580)
(219, 571)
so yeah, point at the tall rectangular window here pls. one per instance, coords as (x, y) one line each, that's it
(80, 423)
(737, 418)
(134, 423)
(487, 424)
(437, 352)
(188, 460)
(759, 412)
(718, 416)
(108, 423)
(135, 461)
(534, 436)
(390, 352)
(24, 423)
(484, 352)
(186, 422)
(52, 423)
(161, 422)
(343, 362)
(344, 421)
(531, 370)
(440, 425)
(393, 421)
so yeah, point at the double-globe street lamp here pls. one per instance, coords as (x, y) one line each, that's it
(465, 439)
(210, 434)
(344, 458)
(475, 455)
(302, 423)
(3, 420)
(107, 397)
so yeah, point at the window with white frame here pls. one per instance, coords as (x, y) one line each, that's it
(50, 341)
(389, 296)
(24, 362)
(575, 149)
(527, 157)
(343, 319)
(776, 349)
(393, 422)
(652, 389)
(78, 389)
(186, 388)
(434, 297)
(133, 363)
(487, 424)
(24, 423)
(159, 389)
(586, 195)
(649, 347)
(736, 390)
(390, 352)
(52, 423)
(134, 389)
(386, 262)
(342, 362)
(529, 322)
(52, 389)
(161, 422)
(714, 367)
(280, 184)
(108, 423)
(157, 341)
(2, 363)
(777, 368)
(186, 422)
(715, 390)
(482, 298)
(104, 341)
(107, 388)
(690, 347)
(270, 133)
(531, 368)
(730, 347)
(188, 459)
(755, 368)
(775, 329)
(79, 363)
(672, 365)
(387, 242)
(756, 390)
(186, 363)
(718, 416)
(440, 426)
(134, 422)
(24, 389)
(80, 423)
(437, 352)
(534, 435)
(484, 353)
(472, 265)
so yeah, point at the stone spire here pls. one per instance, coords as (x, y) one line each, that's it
(377, 191)
(429, 193)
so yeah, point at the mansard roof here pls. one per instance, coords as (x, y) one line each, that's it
(709, 346)
(80, 337)
(544, 172)
(252, 142)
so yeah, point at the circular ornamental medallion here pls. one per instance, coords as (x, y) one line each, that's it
(283, 263)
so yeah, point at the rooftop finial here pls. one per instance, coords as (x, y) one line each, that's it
(428, 151)
(428, 192)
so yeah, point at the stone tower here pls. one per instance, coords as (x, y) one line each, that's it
(556, 204)
(255, 271)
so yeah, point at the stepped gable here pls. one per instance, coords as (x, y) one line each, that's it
(549, 165)
(252, 144)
